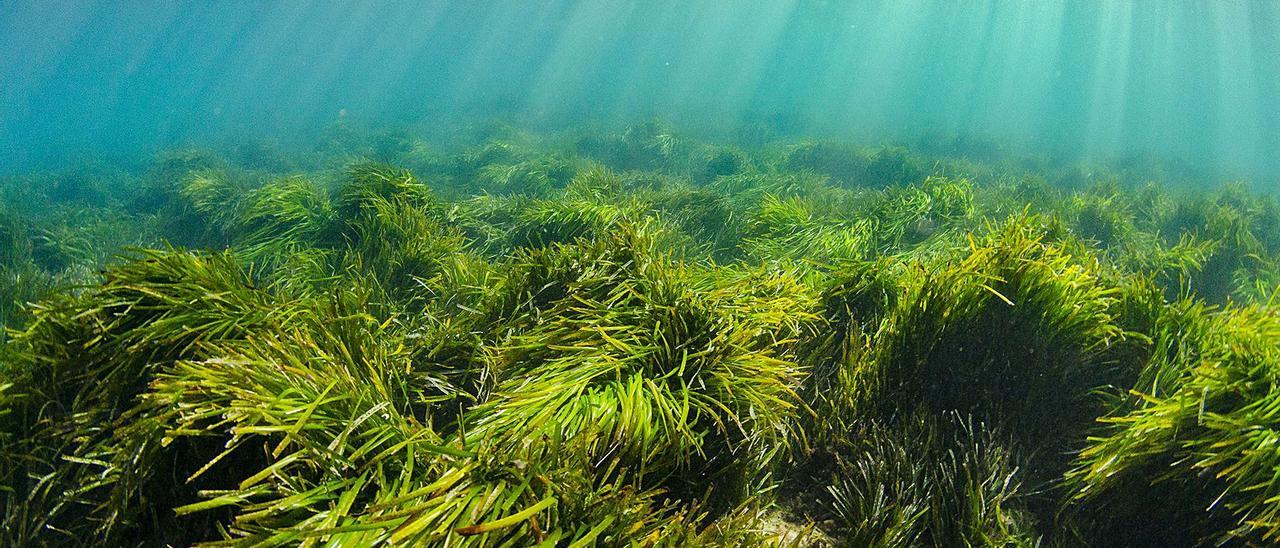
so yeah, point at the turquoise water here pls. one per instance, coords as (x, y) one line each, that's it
(1193, 83)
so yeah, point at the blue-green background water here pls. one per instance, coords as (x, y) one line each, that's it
(1191, 82)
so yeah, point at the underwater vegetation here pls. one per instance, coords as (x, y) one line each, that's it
(635, 337)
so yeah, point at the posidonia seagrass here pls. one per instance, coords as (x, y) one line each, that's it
(636, 338)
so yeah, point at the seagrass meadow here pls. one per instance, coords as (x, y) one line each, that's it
(635, 337)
